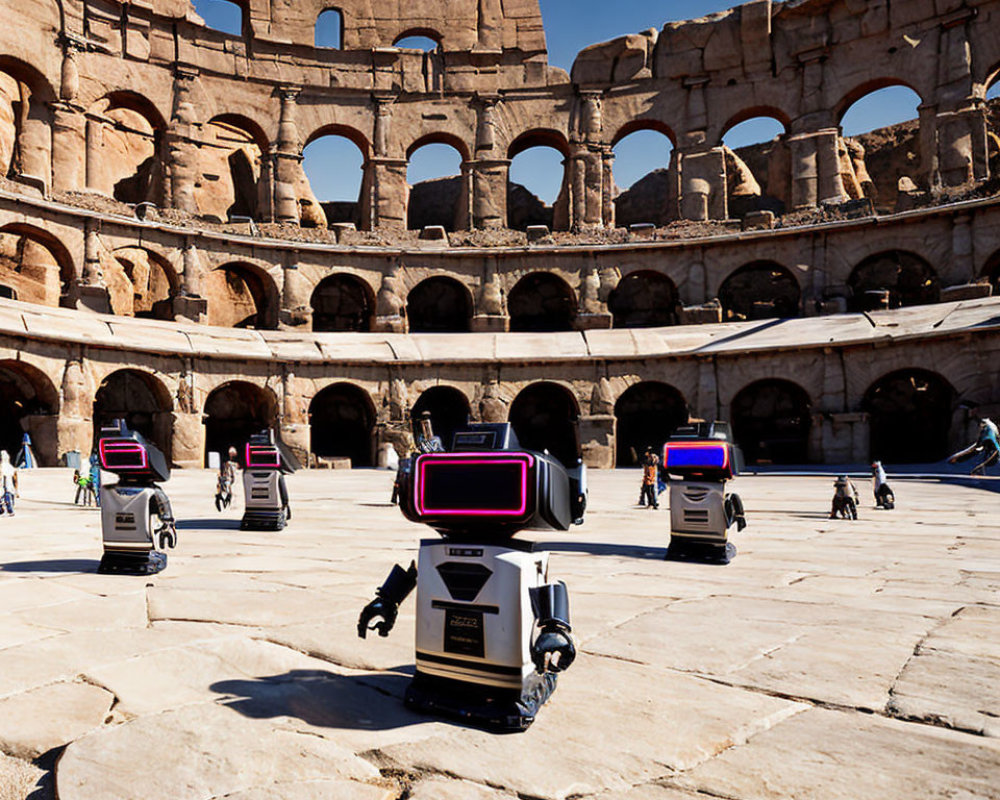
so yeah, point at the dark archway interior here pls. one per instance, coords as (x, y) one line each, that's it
(992, 272)
(131, 395)
(234, 412)
(762, 290)
(342, 303)
(648, 413)
(910, 417)
(438, 305)
(908, 280)
(340, 423)
(449, 411)
(771, 422)
(541, 303)
(242, 282)
(18, 399)
(644, 300)
(544, 417)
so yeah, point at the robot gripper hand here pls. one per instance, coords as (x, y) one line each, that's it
(380, 614)
(167, 536)
(553, 650)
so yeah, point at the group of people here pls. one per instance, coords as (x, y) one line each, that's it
(88, 484)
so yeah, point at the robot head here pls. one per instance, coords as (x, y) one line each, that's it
(127, 454)
(266, 451)
(702, 451)
(489, 486)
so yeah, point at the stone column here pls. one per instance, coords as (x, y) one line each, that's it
(73, 430)
(189, 305)
(385, 175)
(390, 304)
(489, 173)
(294, 416)
(608, 187)
(68, 126)
(593, 311)
(181, 167)
(295, 309)
(958, 159)
(490, 25)
(188, 430)
(491, 310)
(830, 180)
(703, 182)
(91, 292)
(805, 172)
(288, 160)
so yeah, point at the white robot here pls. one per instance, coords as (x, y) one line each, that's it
(481, 594)
(265, 464)
(135, 512)
(704, 457)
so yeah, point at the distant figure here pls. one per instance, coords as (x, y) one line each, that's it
(987, 443)
(84, 489)
(224, 484)
(95, 478)
(8, 474)
(427, 442)
(884, 498)
(845, 498)
(650, 479)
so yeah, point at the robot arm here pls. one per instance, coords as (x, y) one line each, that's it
(160, 505)
(553, 650)
(389, 595)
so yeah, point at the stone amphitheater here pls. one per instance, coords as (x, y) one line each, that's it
(163, 256)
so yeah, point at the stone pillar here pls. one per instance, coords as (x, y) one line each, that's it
(805, 172)
(73, 430)
(189, 305)
(963, 261)
(390, 193)
(489, 174)
(706, 405)
(295, 431)
(593, 311)
(830, 180)
(181, 167)
(288, 160)
(34, 145)
(608, 187)
(491, 310)
(91, 292)
(958, 159)
(68, 126)
(295, 309)
(490, 25)
(390, 304)
(703, 183)
(597, 440)
(188, 430)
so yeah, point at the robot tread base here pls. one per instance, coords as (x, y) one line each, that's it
(258, 521)
(700, 551)
(496, 710)
(136, 563)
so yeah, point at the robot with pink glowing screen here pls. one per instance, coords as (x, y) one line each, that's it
(492, 630)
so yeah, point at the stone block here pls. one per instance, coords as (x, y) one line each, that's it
(708, 314)
(538, 233)
(758, 221)
(490, 323)
(966, 291)
(642, 230)
(341, 229)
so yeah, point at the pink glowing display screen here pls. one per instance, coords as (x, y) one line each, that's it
(123, 454)
(260, 457)
(473, 484)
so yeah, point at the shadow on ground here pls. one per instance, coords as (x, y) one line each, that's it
(56, 565)
(601, 549)
(214, 524)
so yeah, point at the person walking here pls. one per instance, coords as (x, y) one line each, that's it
(884, 497)
(95, 479)
(650, 478)
(224, 484)
(987, 444)
(8, 475)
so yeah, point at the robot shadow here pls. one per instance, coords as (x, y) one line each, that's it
(326, 700)
(600, 549)
(56, 565)
(207, 524)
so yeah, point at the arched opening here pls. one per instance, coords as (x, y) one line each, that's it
(141, 400)
(342, 303)
(341, 418)
(223, 16)
(771, 422)
(230, 163)
(644, 299)
(330, 29)
(418, 39)
(124, 132)
(991, 271)
(757, 162)
(7, 293)
(29, 404)
(878, 158)
(438, 193)
(25, 124)
(910, 414)
(35, 265)
(240, 296)
(644, 152)
(334, 162)
(449, 409)
(141, 284)
(233, 413)
(648, 413)
(536, 181)
(544, 416)
(993, 89)
(439, 305)
(761, 290)
(541, 303)
(892, 280)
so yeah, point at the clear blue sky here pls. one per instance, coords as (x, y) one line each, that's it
(334, 164)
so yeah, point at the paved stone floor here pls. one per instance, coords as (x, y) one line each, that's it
(830, 660)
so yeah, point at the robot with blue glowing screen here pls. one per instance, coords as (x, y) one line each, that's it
(135, 512)
(492, 630)
(704, 457)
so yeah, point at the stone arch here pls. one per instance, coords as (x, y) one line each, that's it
(541, 302)
(29, 403)
(755, 112)
(644, 299)
(241, 295)
(529, 201)
(141, 284)
(142, 400)
(771, 421)
(36, 264)
(893, 279)
(234, 411)
(443, 199)
(648, 183)
(124, 145)
(439, 305)
(647, 414)
(337, 204)
(231, 165)
(544, 416)
(243, 27)
(758, 160)
(25, 120)
(910, 416)
(342, 302)
(866, 88)
(341, 420)
(760, 290)
(420, 33)
(449, 409)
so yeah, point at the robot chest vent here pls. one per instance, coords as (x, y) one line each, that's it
(463, 581)
(695, 495)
